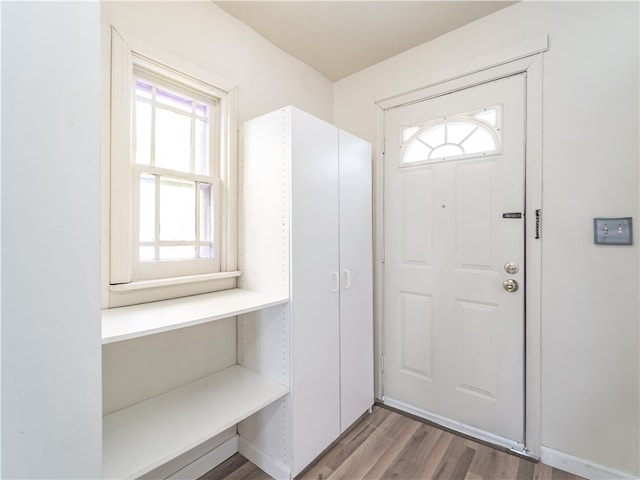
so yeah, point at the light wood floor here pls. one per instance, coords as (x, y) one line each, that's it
(390, 445)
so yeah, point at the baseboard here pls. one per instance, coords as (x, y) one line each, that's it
(580, 466)
(273, 467)
(208, 461)
(467, 430)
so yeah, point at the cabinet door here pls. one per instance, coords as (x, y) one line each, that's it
(315, 288)
(356, 297)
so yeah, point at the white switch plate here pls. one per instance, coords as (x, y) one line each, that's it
(612, 231)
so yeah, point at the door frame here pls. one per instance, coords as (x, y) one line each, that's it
(520, 58)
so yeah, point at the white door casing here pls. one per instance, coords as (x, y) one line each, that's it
(453, 337)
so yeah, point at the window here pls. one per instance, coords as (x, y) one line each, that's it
(175, 180)
(466, 135)
(172, 175)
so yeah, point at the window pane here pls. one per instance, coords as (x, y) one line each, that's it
(143, 133)
(457, 132)
(205, 212)
(202, 150)
(446, 150)
(206, 252)
(147, 254)
(174, 100)
(173, 140)
(479, 141)
(202, 110)
(434, 136)
(177, 252)
(143, 89)
(407, 132)
(489, 116)
(416, 152)
(147, 207)
(177, 209)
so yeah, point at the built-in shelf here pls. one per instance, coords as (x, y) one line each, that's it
(124, 323)
(148, 434)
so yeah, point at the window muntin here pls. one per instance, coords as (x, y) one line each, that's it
(466, 135)
(174, 179)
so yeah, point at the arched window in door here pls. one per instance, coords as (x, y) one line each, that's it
(466, 135)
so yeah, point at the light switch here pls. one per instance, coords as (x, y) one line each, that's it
(612, 231)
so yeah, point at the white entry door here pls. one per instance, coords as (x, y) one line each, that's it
(453, 334)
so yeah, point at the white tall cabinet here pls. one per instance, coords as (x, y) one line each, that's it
(305, 230)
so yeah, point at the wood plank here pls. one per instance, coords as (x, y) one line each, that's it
(542, 472)
(511, 467)
(436, 455)
(390, 445)
(427, 443)
(525, 469)
(226, 468)
(485, 462)
(359, 462)
(350, 441)
(318, 471)
(456, 461)
(404, 429)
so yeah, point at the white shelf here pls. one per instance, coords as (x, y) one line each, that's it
(125, 323)
(146, 435)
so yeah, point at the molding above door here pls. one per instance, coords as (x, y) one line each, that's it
(459, 75)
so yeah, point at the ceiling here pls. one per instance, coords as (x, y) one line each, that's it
(338, 38)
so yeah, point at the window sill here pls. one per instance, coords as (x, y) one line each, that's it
(125, 323)
(128, 287)
(148, 291)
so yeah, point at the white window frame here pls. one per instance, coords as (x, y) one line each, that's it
(129, 54)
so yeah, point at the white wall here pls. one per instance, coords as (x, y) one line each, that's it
(51, 407)
(267, 78)
(205, 35)
(590, 348)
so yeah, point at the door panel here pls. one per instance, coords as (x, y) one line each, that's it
(453, 336)
(356, 302)
(416, 216)
(315, 305)
(417, 349)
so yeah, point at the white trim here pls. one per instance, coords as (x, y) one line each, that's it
(272, 466)
(208, 461)
(462, 70)
(120, 201)
(474, 432)
(533, 249)
(532, 66)
(144, 284)
(229, 175)
(174, 62)
(128, 52)
(378, 264)
(580, 466)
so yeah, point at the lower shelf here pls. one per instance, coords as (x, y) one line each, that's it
(144, 436)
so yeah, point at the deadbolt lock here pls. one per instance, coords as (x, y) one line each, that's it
(510, 285)
(511, 268)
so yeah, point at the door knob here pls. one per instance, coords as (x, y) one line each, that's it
(510, 285)
(511, 268)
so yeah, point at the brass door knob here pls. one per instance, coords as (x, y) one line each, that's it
(510, 285)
